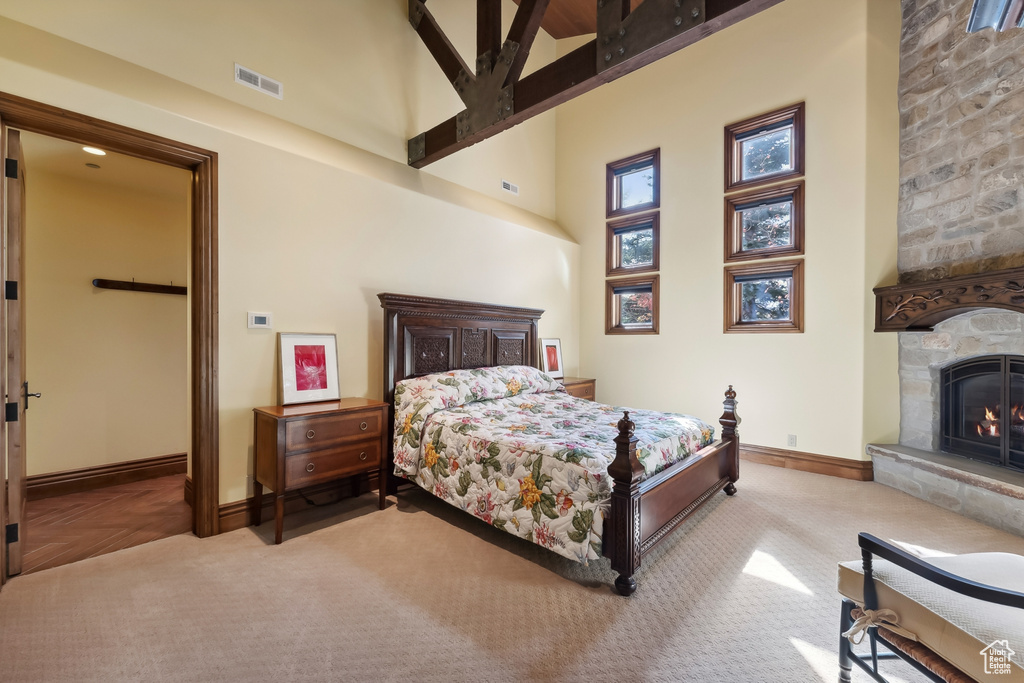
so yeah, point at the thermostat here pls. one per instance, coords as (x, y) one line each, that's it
(260, 320)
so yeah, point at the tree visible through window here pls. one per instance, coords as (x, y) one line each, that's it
(764, 223)
(765, 148)
(764, 297)
(633, 245)
(632, 305)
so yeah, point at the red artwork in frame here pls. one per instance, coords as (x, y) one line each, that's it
(310, 367)
(552, 357)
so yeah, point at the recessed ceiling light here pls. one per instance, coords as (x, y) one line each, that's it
(93, 165)
(95, 150)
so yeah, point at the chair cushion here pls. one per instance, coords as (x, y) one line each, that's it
(955, 626)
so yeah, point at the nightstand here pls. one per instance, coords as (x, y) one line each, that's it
(580, 387)
(301, 445)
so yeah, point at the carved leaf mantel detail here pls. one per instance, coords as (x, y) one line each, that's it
(921, 305)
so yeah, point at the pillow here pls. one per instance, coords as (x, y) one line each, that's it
(418, 398)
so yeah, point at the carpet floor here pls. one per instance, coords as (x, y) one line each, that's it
(745, 591)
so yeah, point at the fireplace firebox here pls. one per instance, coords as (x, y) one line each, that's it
(982, 410)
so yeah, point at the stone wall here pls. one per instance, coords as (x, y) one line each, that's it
(961, 99)
(924, 354)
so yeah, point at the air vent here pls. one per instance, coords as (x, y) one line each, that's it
(258, 81)
(509, 187)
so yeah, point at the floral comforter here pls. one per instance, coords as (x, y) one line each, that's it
(508, 445)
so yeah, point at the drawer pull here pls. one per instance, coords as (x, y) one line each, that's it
(310, 434)
(362, 456)
(362, 425)
(310, 467)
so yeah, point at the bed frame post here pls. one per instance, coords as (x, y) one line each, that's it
(625, 472)
(729, 421)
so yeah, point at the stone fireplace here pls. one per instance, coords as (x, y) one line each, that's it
(960, 291)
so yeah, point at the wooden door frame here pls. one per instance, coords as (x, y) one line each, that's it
(35, 117)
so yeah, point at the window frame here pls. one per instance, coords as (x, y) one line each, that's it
(733, 154)
(613, 265)
(733, 299)
(610, 314)
(615, 168)
(734, 228)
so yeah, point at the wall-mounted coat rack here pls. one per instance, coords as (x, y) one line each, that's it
(139, 286)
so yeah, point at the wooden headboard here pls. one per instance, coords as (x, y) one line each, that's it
(424, 335)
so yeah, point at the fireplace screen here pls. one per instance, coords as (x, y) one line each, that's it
(983, 410)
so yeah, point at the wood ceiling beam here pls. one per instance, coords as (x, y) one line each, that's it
(444, 53)
(488, 31)
(525, 27)
(638, 41)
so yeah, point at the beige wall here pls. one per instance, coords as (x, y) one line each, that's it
(310, 228)
(111, 365)
(353, 70)
(823, 385)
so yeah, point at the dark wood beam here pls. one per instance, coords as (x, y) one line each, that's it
(577, 73)
(525, 27)
(445, 54)
(488, 32)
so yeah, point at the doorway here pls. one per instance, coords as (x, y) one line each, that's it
(106, 350)
(35, 117)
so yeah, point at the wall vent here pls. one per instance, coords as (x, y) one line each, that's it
(510, 187)
(258, 81)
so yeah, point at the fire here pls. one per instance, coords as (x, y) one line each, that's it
(990, 425)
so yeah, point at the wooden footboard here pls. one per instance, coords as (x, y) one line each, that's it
(643, 513)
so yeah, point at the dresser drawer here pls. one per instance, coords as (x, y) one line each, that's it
(319, 432)
(581, 390)
(304, 469)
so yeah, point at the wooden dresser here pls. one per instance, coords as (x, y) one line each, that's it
(580, 387)
(301, 445)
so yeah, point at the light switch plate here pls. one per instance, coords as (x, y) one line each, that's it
(260, 320)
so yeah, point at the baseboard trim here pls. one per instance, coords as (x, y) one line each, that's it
(239, 514)
(858, 470)
(90, 478)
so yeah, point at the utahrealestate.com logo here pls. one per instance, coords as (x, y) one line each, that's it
(997, 657)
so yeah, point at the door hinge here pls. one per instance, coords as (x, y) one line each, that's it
(11, 168)
(11, 533)
(11, 290)
(11, 412)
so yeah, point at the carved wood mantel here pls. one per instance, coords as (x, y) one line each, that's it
(922, 305)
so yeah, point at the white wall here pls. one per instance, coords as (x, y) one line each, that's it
(817, 385)
(112, 365)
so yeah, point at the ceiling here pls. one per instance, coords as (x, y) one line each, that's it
(568, 18)
(45, 154)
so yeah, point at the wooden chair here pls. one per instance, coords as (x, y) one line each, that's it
(955, 618)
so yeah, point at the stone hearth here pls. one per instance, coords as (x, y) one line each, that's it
(988, 494)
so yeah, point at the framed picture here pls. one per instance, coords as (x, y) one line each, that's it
(551, 357)
(308, 368)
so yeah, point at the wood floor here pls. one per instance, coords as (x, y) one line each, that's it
(70, 528)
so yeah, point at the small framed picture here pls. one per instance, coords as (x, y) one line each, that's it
(551, 357)
(308, 368)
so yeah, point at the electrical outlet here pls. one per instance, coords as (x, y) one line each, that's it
(791, 440)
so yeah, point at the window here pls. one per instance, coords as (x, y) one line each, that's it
(765, 223)
(765, 148)
(633, 245)
(631, 305)
(764, 297)
(633, 184)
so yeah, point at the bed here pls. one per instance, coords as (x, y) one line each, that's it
(477, 424)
